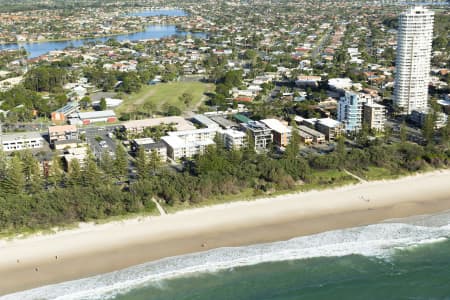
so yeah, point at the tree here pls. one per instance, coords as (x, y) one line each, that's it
(186, 98)
(340, 150)
(445, 133)
(74, 176)
(14, 180)
(149, 108)
(31, 171)
(141, 163)
(292, 149)
(106, 163)
(428, 127)
(173, 111)
(55, 172)
(120, 162)
(85, 102)
(154, 162)
(403, 133)
(90, 172)
(102, 104)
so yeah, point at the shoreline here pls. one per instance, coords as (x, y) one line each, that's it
(95, 249)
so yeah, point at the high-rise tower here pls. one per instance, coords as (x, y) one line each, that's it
(414, 39)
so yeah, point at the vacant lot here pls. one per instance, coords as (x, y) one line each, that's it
(165, 94)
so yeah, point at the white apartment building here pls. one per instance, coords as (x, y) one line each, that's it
(195, 135)
(414, 40)
(178, 148)
(188, 143)
(233, 139)
(21, 141)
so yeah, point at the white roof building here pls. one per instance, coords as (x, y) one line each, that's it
(178, 148)
(21, 141)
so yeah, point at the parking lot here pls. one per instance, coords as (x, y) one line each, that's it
(100, 139)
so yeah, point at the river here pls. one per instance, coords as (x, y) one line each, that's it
(36, 49)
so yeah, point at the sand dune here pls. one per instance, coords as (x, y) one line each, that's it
(94, 249)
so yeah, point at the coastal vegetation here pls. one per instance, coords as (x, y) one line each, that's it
(94, 190)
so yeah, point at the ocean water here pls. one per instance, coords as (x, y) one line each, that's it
(402, 259)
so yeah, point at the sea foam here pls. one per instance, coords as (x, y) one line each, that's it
(379, 240)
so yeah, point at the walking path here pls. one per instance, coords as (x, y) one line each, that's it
(355, 176)
(160, 209)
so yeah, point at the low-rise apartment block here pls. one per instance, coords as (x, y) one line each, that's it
(21, 141)
(281, 133)
(317, 136)
(261, 134)
(332, 129)
(149, 145)
(177, 148)
(233, 139)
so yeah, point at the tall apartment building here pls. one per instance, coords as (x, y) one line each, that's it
(350, 110)
(355, 109)
(414, 40)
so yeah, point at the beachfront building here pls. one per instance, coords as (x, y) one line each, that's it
(195, 135)
(62, 133)
(331, 128)
(149, 145)
(281, 133)
(261, 134)
(21, 141)
(350, 110)
(418, 116)
(79, 154)
(178, 148)
(375, 116)
(317, 137)
(414, 41)
(233, 139)
(187, 143)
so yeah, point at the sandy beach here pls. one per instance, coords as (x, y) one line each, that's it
(95, 249)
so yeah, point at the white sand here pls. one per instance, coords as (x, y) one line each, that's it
(93, 249)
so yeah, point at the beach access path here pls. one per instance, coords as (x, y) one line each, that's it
(94, 249)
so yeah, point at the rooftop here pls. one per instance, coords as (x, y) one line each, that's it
(181, 123)
(242, 118)
(329, 122)
(96, 114)
(276, 125)
(20, 136)
(205, 121)
(62, 128)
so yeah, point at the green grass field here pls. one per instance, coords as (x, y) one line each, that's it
(164, 94)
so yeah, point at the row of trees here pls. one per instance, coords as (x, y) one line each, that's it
(31, 198)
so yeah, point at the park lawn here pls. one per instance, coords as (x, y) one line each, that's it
(164, 94)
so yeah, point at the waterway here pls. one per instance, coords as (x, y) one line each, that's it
(36, 49)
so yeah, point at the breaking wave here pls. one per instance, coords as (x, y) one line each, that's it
(380, 240)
